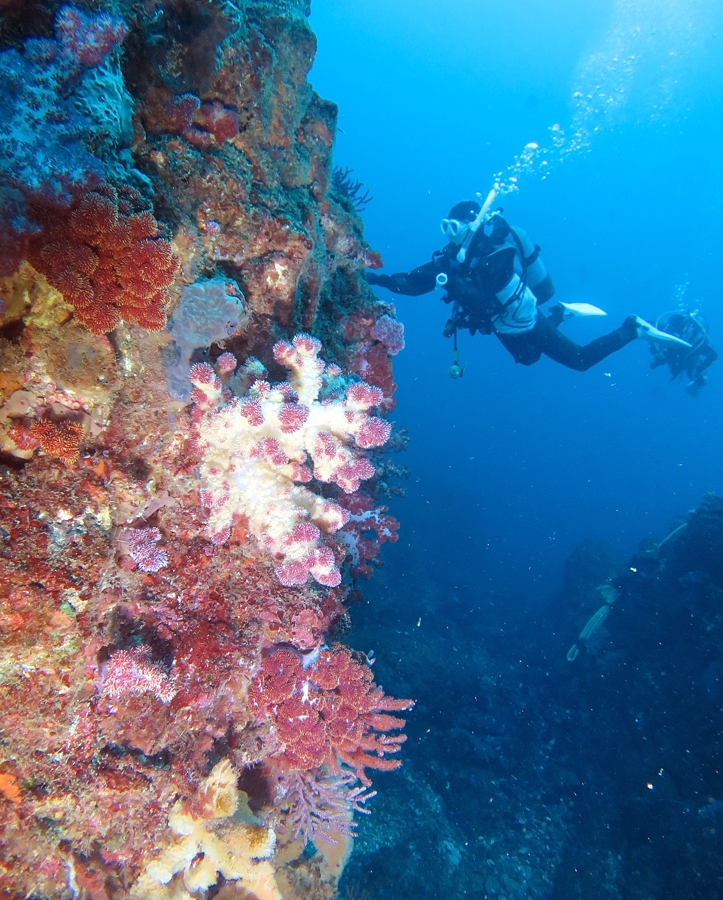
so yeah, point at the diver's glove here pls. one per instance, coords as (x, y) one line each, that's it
(374, 279)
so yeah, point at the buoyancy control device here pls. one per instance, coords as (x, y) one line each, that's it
(498, 281)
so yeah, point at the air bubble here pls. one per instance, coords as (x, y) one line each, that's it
(605, 78)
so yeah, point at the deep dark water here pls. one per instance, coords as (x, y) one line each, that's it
(529, 776)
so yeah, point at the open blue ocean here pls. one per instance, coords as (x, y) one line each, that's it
(532, 488)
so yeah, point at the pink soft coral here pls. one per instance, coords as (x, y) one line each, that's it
(259, 453)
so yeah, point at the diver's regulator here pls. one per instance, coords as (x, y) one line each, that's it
(455, 370)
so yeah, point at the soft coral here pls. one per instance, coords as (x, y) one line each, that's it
(107, 260)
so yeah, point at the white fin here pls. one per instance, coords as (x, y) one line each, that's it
(651, 333)
(582, 309)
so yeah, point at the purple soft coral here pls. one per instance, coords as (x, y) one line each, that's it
(323, 806)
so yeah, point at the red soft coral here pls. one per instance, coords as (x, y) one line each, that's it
(330, 713)
(61, 440)
(88, 40)
(201, 124)
(107, 260)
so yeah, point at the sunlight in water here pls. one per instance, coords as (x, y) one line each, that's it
(640, 56)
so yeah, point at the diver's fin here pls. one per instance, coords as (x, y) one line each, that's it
(651, 333)
(582, 309)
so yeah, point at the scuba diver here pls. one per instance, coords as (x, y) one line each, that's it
(495, 280)
(693, 361)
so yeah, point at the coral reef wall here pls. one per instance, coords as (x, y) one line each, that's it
(194, 393)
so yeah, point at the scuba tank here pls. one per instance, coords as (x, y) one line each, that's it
(536, 275)
(687, 324)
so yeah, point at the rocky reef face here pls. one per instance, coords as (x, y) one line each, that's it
(179, 715)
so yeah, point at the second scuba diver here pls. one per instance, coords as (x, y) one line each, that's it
(496, 281)
(692, 361)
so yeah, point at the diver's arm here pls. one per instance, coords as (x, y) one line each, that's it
(543, 291)
(421, 280)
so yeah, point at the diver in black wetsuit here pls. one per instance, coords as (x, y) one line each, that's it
(495, 279)
(693, 361)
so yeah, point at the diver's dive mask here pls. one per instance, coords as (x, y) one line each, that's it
(454, 230)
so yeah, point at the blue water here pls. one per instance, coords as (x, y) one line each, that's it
(513, 467)
(510, 464)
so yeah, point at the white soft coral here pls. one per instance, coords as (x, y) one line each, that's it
(258, 452)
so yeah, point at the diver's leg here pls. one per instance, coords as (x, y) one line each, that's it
(523, 347)
(554, 344)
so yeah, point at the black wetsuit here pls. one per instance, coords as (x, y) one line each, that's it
(494, 255)
(545, 338)
(693, 361)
